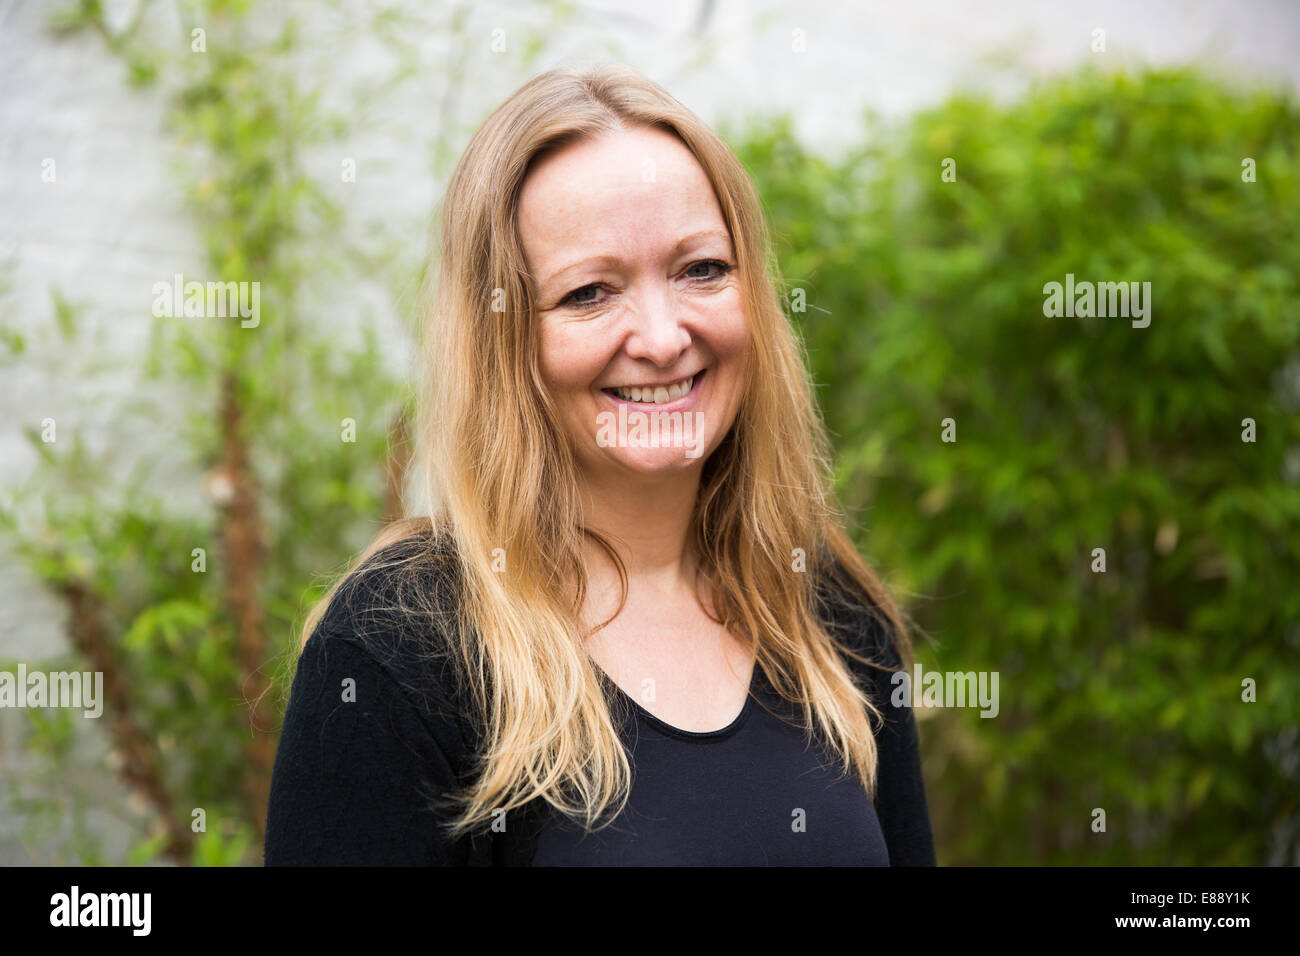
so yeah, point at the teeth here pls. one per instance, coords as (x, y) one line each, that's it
(658, 395)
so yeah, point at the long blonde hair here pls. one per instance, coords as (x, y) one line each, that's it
(505, 485)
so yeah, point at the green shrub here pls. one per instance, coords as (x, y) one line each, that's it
(925, 299)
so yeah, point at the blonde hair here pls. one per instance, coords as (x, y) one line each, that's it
(505, 483)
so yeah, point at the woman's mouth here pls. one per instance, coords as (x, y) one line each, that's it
(657, 394)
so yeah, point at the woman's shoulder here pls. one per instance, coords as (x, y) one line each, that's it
(855, 618)
(399, 607)
(397, 584)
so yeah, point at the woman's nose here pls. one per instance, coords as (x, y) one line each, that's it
(658, 334)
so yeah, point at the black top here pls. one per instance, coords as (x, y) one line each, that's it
(751, 794)
(358, 760)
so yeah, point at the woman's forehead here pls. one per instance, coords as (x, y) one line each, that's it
(614, 195)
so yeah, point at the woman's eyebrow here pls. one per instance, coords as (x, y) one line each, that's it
(610, 261)
(556, 277)
(703, 234)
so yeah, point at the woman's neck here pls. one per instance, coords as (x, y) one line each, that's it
(648, 524)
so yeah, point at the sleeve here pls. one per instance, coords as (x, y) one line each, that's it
(356, 768)
(900, 787)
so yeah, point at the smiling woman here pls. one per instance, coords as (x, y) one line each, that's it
(605, 651)
(637, 296)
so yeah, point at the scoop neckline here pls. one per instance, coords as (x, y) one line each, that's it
(700, 735)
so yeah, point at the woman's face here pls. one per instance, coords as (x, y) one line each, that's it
(639, 302)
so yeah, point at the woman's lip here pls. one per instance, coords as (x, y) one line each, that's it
(676, 405)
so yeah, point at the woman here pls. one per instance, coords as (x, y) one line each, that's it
(635, 631)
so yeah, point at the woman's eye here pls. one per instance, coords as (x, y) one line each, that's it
(585, 296)
(707, 265)
(590, 296)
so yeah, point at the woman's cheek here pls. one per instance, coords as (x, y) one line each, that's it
(732, 327)
(558, 359)
(569, 364)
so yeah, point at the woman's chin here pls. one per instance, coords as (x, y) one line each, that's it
(652, 462)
